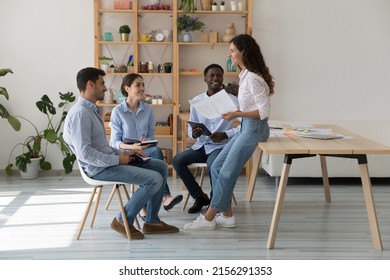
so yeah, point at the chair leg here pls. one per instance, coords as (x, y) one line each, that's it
(136, 221)
(132, 189)
(126, 192)
(95, 208)
(186, 201)
(188, 194)
(234, 199)
(82, 223)
(203, 170)
(122, 209)
(113, 192)
(110, 197)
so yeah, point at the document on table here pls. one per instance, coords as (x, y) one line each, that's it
(216, 105)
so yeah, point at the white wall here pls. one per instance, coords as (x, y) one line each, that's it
(45, 43)
(330, 58)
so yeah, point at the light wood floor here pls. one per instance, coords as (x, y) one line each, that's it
(39, 219)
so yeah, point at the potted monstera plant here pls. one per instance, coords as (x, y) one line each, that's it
(34, 147)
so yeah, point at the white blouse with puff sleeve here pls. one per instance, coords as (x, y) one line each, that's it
(254, 94)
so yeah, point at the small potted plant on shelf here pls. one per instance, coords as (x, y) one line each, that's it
(33, 148)
(14, 122)
(168, 67)
(124, 30)
(214, 6)
(186, 23)
(104, 63)
(222, 6)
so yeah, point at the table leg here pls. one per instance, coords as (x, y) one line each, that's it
(278, 206)
(368, 197)
(325, 179)
(256, 158)
(248, 168)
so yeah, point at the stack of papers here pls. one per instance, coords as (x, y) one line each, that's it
(216, 105)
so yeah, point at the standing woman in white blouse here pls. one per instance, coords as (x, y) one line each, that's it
(256, 87)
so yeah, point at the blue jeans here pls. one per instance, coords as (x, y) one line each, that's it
(155, 152)
(185, 158)
(151, 176)
(228, 165)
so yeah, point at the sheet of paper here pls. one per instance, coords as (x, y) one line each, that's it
(216, 105)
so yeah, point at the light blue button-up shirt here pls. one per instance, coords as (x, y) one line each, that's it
(127, 124)
(214, 125)
(85, 134)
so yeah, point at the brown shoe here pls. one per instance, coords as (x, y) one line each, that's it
(120, 228)
(159, 228)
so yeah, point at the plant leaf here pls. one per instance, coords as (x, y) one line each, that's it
(9, 169)
(45, 105)
(4, 92)
(50, 135)
(3, 112)
(5, 71)
(45, 165)
(68, 162)
(14, 122)
(22, 161)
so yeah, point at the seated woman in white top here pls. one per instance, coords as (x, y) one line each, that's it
(134, 119)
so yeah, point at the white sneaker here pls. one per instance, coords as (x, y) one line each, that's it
(225, 222)
(201, 224)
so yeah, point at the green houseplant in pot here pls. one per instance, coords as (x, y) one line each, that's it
(168, 67)
(14, 122)
(124, 30)
(104, 63)
(33, 147)
(185, 23)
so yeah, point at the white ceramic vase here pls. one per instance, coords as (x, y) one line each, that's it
(186, 37)
(104, 67)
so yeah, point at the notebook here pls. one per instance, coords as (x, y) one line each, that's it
(145, 142)
(206, 131)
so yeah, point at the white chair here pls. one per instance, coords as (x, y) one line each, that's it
(200, 166)
(97, 192)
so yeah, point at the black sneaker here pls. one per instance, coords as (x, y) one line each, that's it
(200, 201)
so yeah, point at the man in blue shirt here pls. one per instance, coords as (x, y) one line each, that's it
(85, 134)
(206, 148)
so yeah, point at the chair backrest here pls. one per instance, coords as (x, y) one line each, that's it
(86, 178)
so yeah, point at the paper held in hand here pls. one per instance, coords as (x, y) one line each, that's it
(216, 105)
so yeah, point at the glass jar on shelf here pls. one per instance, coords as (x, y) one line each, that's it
(150, 67)
(157, 100)
(143, 67)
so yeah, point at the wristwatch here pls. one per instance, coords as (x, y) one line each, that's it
(159, 37)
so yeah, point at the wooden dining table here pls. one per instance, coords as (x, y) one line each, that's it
(293, 146)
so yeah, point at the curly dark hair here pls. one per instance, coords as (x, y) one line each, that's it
(252, 58)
